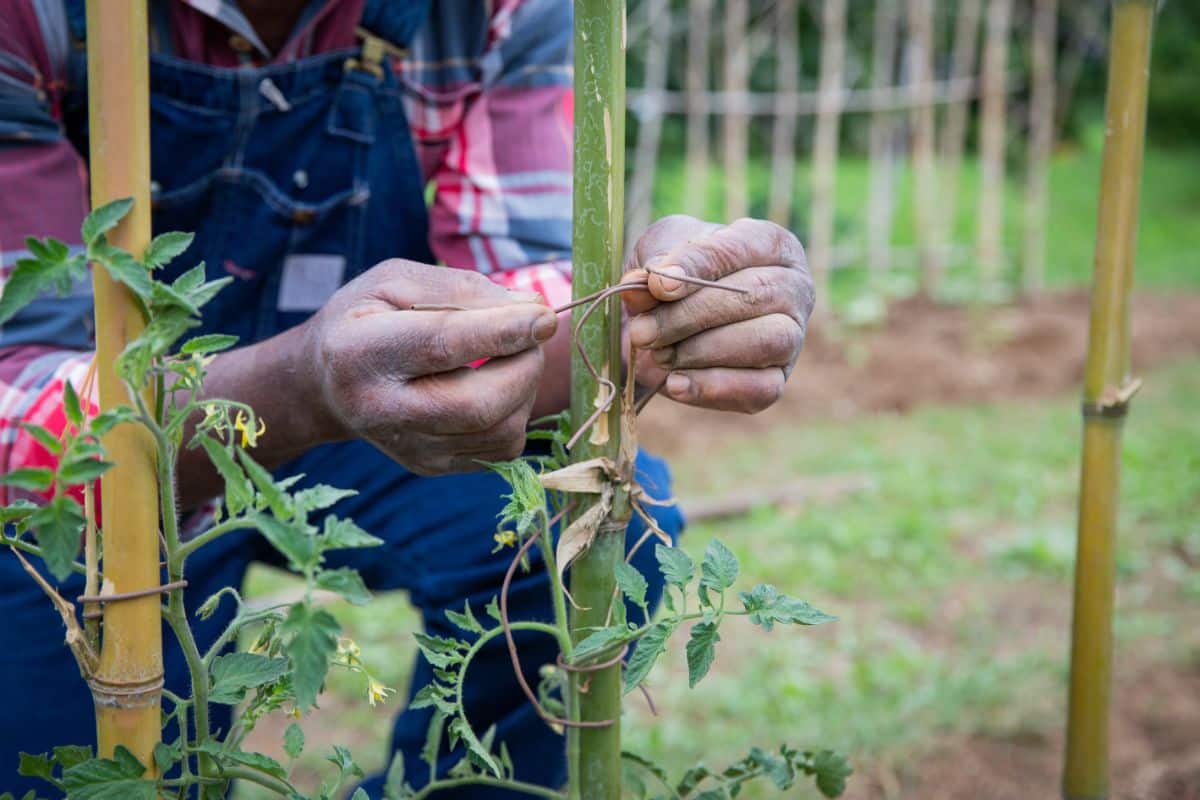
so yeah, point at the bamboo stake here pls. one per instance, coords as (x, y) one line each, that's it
(1107, 388)
(882, 141)
(783, 132)
(991, 143)
(825, 141)
(699, 33)
(128, 684)
(735, 130)
(954, 134)
(658, 44)
(920, 31)
(594, 754)
(1041, 145)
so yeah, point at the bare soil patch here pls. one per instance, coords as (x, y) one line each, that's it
(926, 353)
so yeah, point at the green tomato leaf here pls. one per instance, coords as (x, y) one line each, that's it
(294, 540)
(255, 761)
(718, 570)
(767, 606)
(124, 268)
(105, 421)
(53, 268)
(238, 493)
(648, 649)
(598, 642)
(58, 526)
(35, 479)
(312, 641)
(232, 674)
(208, 343)
(631, 583)
(166, 247)
(701, 650)
(105, 218)
(466, 620)
(118, 778)
(278, 502)
(82, 470)
(36, 766)
(318, 498)
(676, 566)
(346, 582)
(340, 534)
(44, 437)
(293, 740)
(71, 405)
(831, 770)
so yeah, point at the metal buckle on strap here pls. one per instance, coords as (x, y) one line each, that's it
(374, 49)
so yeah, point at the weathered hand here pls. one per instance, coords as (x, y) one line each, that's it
(399, 377)
(722, 350)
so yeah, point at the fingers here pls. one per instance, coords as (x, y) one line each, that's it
(651, 249)
(727, 389)
(721, 252)
(400, 284)
(773, 340)
(470, 401)
(414, 343)
(768, 290)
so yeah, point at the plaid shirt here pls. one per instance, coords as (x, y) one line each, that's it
(488, 88)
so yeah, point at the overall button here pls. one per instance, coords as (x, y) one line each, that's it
(304, 216)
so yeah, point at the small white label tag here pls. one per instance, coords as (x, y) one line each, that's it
(309, 280)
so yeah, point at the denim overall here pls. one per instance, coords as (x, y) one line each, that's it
(295, 178)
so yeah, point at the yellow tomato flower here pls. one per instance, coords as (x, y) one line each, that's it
(348, 649)
(506, 538)
(377, 692)
(249, 435)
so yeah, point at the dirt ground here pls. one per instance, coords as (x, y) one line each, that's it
(926, 353)
(1155, 753)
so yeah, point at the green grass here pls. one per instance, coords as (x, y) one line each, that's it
(1170, 208)
(950, 576)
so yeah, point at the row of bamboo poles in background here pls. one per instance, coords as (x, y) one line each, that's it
(902, 99)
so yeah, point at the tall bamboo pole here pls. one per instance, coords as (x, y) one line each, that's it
(1106, 390)
(698, 34)
(783, 132)
(735, 131)
(920, 32)
(954, 134)
(883, 141)
(991, 142)
(594, 758)
(1041, 145)
(128, 684)
(825, 140)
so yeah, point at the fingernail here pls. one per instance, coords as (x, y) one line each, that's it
(643, 330)
(670, 285)
(663, 356)
(679, 385)
(544, 327)
(526, 297)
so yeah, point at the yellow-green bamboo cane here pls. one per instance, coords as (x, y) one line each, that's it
(1107, 388)
(127, 686)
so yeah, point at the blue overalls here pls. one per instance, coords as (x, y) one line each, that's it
(295, 178)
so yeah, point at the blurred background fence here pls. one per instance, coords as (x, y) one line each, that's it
(832, 117)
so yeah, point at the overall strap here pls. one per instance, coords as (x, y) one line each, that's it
(76, 20)
(396, 22)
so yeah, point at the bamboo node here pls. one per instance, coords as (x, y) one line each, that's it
(1113, 402)
(126, 694)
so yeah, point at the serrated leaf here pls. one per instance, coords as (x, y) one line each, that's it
(71, 405)
(31, 277)
(767, 606)
(124, 268)
(38, 765)
(492, 609)
(311, 642)
(319, 497)
(293, 540)
(105, 421)
(105, 218)
(344, 762)
(676, 566)
(35, 479)
(718, 570)
(466, 620)
(166, 247)
(360, 794)
(118, 778)
(256, 761)
(82, 470)
(293, 740)
(527, 499)
(58, 526)
(648, 649)
(277, 501)
(433, 739)
(165, 756)
(341, 534)
(831, 771)
(598, 642)
(208, 343)
(234, 673)
(69, 755)
(18, 511)
(346, 582)
(238, 493)
(631, 583)
(701, 650)
(44, 437)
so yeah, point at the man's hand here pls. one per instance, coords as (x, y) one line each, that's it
(399, 377)
(724, 350)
